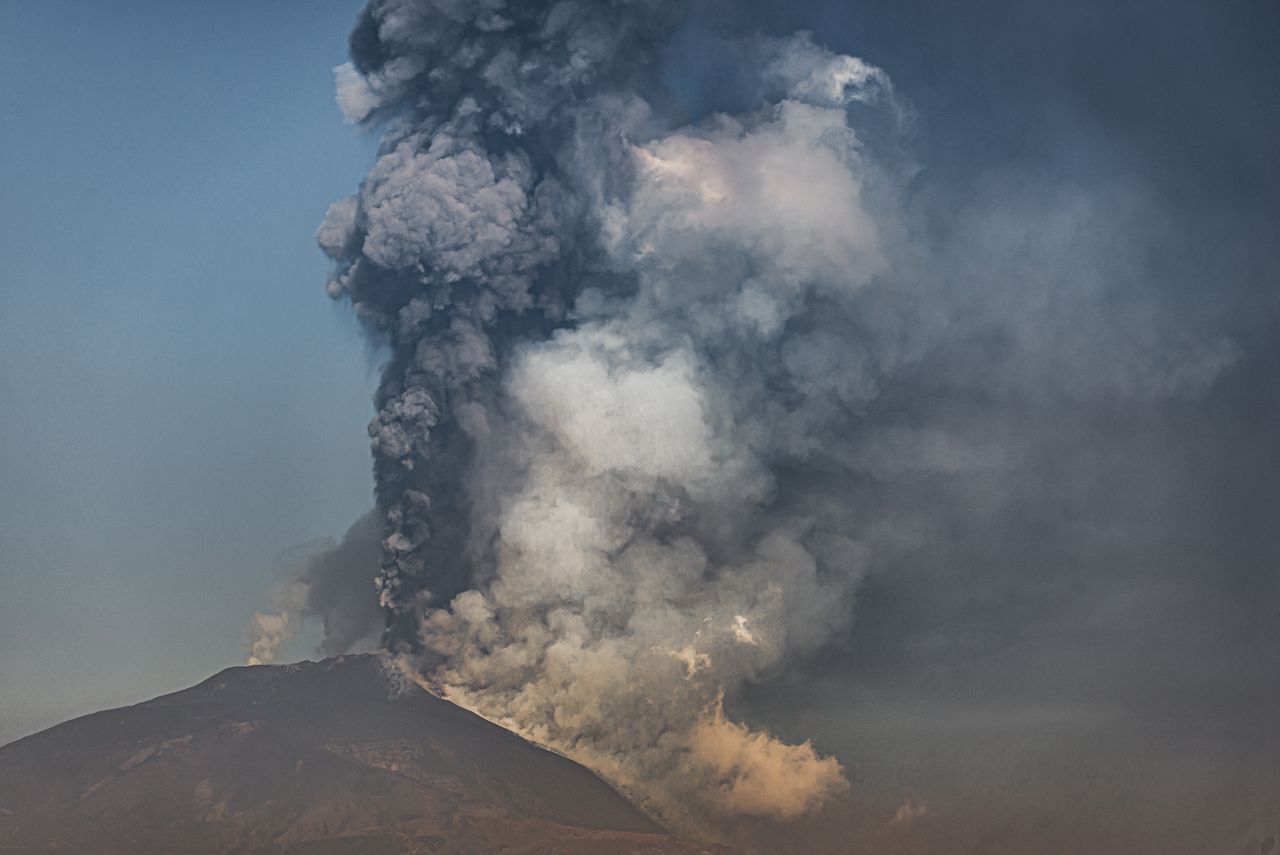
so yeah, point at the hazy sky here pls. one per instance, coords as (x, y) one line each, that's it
(182, 410)
(180, 404)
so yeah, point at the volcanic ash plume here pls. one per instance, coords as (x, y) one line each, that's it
(608, 339)
(631, 378)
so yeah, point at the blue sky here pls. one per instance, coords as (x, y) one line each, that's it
(181, 407)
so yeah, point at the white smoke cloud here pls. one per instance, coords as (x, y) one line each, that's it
(360, 95)
(812, 74)
(782, 196)
(268, 630)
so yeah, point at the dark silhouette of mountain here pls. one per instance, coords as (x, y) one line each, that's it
(340, 756)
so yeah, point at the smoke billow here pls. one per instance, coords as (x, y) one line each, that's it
(643, 374)
(333, 584)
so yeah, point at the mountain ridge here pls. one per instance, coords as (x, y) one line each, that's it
(315, 758)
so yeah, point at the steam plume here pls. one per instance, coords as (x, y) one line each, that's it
(636, 377)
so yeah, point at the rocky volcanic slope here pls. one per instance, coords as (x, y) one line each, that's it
(330, 757)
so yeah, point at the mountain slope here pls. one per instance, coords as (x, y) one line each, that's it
(334, 757)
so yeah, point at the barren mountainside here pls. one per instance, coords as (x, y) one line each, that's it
(339, 756)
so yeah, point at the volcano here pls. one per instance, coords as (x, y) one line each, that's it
(339, 756)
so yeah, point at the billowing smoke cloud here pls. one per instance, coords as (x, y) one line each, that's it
(643, 375)
(333, 584)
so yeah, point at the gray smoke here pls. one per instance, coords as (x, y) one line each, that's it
(647, 379)
(334, 585)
